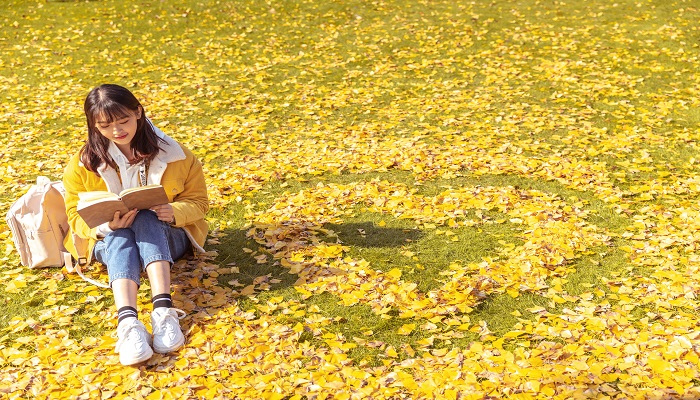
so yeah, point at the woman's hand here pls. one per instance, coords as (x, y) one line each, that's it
(164, 212)
(119, 222)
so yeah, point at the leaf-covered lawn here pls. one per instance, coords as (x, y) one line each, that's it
(410, 199)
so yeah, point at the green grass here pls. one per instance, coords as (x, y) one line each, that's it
(382, 247)
(205, 66)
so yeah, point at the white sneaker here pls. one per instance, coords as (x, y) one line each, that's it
(133, 344)
(167, 335)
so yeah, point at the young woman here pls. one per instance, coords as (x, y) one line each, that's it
(124, 150)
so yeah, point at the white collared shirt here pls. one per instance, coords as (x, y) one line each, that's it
(129, 174)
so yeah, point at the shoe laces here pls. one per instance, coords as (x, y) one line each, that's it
(161, 319)
(130, 333)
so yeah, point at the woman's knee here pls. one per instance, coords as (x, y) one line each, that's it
(119, 238)
(147, 217)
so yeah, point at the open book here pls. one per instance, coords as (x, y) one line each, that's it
(99, 207)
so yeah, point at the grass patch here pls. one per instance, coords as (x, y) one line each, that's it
(388, 243)
(280, 97)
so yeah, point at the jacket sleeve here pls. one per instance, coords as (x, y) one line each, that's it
(192, 203)
(74, 179)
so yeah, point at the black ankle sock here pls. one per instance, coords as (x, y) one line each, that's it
(126, 312)
(162, 300)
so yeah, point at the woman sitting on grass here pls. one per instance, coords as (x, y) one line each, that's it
(125, 150)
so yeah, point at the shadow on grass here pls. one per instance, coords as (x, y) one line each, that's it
(367, 234)
(205, 297)
(243, 253)
(239, 251)
(384, 245)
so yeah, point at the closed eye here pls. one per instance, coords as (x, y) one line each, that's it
(120, 122)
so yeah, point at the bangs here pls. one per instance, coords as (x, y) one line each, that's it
(109, 112)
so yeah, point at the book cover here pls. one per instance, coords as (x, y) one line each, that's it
(99, 207)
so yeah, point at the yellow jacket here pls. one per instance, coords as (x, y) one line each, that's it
(175, 168)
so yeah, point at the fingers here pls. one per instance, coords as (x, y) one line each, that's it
(130, 216)
(119, 221)
(164, 212)
(115, 222)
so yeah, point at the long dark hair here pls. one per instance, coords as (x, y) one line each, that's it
(113, 102)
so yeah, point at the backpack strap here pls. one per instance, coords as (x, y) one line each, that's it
(79, 270)
(81, 245)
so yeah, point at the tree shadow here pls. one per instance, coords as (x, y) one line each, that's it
(367, 234)
(207, 285)
(251, 260)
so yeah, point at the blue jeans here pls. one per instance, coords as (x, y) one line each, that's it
(127, 252)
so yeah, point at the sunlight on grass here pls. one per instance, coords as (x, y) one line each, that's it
(417, 199)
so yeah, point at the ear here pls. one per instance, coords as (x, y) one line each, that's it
(139, 113)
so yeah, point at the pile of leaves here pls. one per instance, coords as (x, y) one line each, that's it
(573, 128)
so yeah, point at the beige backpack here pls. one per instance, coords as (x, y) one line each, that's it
(39, 224)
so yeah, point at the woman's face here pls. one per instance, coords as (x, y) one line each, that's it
(120, 131)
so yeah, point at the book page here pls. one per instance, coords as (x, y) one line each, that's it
(144, 197)
(139, 189)
(89, 197)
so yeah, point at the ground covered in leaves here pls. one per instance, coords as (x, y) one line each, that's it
(410, 199)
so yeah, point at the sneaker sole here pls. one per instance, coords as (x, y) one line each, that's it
(145, 357)
(165, 350)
